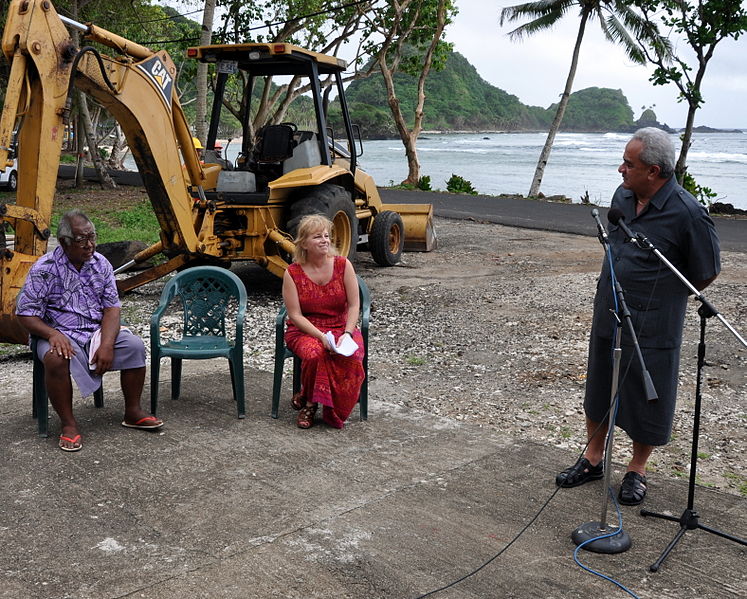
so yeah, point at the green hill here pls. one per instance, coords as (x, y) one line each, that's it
(458, 99)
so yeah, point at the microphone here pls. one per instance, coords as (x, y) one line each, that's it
(600, 227)
(616, 217)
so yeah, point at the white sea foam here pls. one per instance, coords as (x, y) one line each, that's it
(717, 157)
(622, 136)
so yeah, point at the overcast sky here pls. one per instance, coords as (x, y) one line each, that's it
(535, 69)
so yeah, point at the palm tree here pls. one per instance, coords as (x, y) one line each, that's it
(620, 24)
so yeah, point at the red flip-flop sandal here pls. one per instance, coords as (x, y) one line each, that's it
(146, 423)
(77, 445)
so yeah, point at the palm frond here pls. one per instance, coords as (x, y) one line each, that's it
(624, 26)
(539, 24)
(615, 32)
(535, 10)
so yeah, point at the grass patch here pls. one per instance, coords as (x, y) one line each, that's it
(135, 223)
(415, 361)
(699, 481)
(738, 482)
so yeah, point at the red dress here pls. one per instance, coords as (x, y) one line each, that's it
(330, 379)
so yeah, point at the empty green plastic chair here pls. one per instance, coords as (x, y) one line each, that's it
(282, 353)
(205, 296)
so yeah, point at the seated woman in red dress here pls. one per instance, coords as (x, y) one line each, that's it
(320, 291)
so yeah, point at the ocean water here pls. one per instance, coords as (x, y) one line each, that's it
(497, 163)
(503, 163)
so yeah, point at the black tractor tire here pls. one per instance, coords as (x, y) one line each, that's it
(387, 238)
(336, 204)
(13, 181)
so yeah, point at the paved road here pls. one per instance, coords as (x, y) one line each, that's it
(535, 214)
(529, 214)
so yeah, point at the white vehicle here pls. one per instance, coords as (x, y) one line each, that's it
(9, 177)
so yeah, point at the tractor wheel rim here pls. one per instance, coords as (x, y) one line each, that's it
(341, 233)
(395, 236)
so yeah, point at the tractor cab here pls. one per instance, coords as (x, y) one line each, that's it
(280, 148)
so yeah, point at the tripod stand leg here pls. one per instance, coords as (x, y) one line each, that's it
(657, 564)
(688, 521)
(723, 534)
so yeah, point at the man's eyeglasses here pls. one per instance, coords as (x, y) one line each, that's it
(84, 240)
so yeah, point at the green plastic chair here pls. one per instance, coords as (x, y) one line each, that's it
(282, 353)
(40, 399)
(205, 294)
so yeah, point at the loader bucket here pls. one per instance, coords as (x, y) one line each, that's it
(420, 235)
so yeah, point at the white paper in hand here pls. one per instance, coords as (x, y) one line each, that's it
(94, 345)
(347, 347)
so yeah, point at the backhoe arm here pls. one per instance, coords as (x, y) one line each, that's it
(137, 88)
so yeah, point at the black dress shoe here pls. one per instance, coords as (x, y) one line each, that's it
(581, 472)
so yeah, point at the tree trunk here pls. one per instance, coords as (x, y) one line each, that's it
(104, 179)
(681, 167)
(408, 136)
(80, 158)
(413, 164)
(555, 126)
(119, 150)
(692, 106)
(202, 73)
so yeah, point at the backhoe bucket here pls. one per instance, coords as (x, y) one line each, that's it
(420, 235)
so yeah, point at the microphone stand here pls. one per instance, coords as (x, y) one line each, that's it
(597, 536)
(689, 520)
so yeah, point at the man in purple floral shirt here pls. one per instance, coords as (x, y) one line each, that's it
(70, 302)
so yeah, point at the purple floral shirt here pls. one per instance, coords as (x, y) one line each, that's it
(70, 301)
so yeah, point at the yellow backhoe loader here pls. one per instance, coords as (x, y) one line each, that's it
(209, 209)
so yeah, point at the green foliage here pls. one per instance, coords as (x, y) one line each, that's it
(457, 184)
(424, 183)
(458, 99)
(704, 195)
(597, 109)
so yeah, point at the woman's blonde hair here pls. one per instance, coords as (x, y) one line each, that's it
(309, 225)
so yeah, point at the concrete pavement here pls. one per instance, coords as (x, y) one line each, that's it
(397, 506)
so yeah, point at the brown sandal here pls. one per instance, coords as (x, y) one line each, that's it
(306, 416)
(297, 401)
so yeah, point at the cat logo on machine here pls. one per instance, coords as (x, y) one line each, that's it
(155, 69)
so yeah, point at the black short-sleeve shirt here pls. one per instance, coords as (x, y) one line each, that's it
(680, 228)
